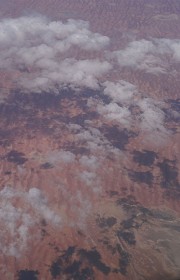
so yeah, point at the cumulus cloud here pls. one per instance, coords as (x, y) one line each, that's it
(76, 73)
(39, 47)
(91, 162)
(124, 95)
(169, 46)
(152, 119)
(147, 54)
(90, 165)
(14, 224)
(93, 139)
(114, 112)
(18, 219)
(88, 178)
(134, 52)
(42, 50)
(37, 33)
(120, 91)
(40, 203)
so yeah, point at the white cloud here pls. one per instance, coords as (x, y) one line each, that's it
(94, 139)
(88, 178)
(89, 175)
(82, 207)
(148, 55)
(40, 204)
(14, 223)
(123, 95)
(77, 73)
(33, 31)
(152, 120)
(19, 212)
(120, 91)
(55, 157)
(90, 162)
(138, 54)
(169, 46)
(114, 112)
(41, 47)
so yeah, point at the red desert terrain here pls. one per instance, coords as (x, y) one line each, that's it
(89, 139)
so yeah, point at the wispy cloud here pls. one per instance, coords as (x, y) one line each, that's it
(55, 157)
(18, 219)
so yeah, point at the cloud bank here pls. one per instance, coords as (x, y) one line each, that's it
(43, 51)
(38, 48)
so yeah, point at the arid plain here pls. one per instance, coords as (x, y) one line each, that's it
(89, 139)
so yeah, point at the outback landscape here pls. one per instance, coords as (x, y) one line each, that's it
(89, 140)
